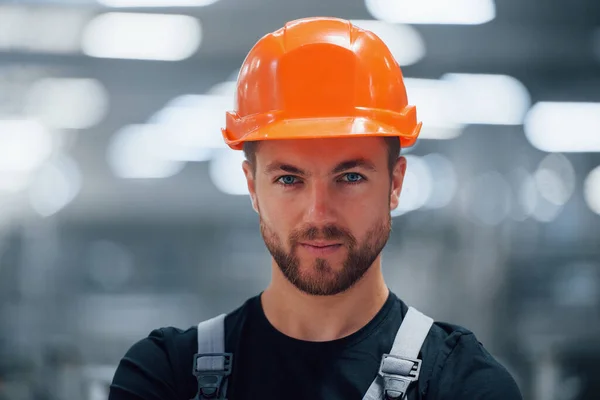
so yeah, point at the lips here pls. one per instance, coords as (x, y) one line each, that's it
(320, 248)
(320, 244)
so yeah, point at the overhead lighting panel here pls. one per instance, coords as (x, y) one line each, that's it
(457, 12)
(155, 3)
(564, 127)
(142, 36)
(488, 99)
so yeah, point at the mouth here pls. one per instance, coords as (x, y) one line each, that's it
(321, 248)
(320, 243)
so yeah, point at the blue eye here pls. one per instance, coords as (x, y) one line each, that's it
(287, 180)
(352, 177)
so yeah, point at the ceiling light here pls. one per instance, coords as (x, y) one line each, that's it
(67, 103)
(564, 127)
(457, 12)
(155, 3)
(142, 36)
(24, 145)
(591, 190)
(136, 152)
(488, 99)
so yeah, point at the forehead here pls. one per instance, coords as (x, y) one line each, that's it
(322, 152)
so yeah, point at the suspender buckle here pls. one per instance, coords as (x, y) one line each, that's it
(212, 373)
(398, 373)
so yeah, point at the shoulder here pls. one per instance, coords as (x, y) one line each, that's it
(160, 365)
(166, 345)
(456, 365)
(461, 367)
(151, 367)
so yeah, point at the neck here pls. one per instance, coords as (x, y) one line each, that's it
(323, 318)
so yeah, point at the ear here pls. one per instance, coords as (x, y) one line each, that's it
(397, 181)
(248, 172)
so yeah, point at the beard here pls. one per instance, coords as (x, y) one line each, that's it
(323, 280)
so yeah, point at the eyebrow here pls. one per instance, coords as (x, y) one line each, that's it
(280, 166)
(355, 163)
(343, 166)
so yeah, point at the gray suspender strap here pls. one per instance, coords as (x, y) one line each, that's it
(212, 366)
(401, 367)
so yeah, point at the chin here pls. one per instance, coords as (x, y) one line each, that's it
(322, 266)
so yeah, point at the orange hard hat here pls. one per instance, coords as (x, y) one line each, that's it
(320, 78)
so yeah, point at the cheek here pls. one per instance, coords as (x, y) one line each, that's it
(276, 214)
(369, 202)
(363, 214)
(276, 203)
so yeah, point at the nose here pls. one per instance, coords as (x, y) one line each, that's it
(321, 206)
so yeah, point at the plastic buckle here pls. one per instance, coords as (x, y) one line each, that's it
(210, 381)
(395, 386)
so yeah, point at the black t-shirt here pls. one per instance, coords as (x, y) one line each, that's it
(270, 365)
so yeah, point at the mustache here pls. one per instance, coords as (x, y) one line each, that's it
(327, 232)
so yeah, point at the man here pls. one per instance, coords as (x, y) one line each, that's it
(321, 115)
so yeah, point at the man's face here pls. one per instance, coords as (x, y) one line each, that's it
(324, 207)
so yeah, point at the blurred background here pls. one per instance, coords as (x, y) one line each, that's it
(122, 211)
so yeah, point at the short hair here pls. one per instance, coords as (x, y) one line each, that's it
(392, 143)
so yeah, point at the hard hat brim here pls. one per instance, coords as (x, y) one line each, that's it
(321, 128)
